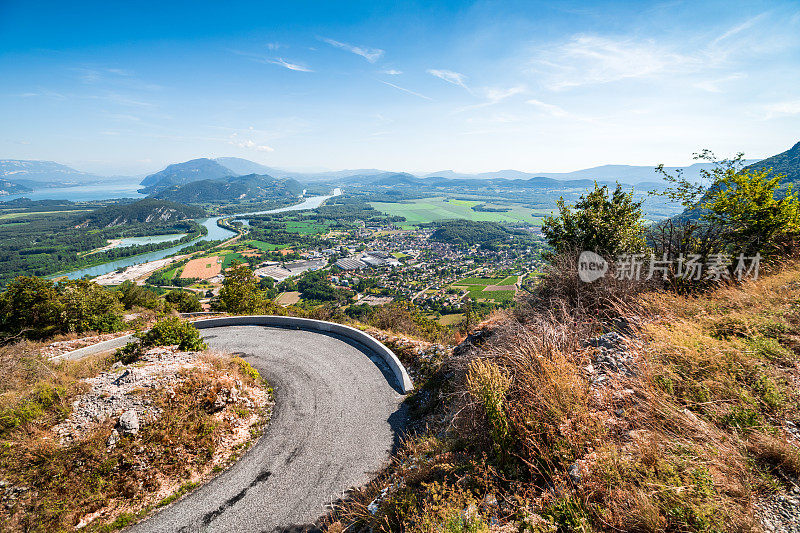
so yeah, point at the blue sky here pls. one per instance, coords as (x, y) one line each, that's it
(127, 88)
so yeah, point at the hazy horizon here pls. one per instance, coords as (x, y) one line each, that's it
(418, 87)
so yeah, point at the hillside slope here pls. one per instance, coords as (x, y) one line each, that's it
(787, 163)
(236, 188)
(9, 187)
(143, 211)
(680, 414)
(183, 173)
(41, 173)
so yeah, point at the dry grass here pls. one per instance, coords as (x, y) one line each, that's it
(516, 432)
(86, 479)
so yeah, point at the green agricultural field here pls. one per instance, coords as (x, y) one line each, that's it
(476, 286)
(427, 210)
(265, 246)
(229, 259)
(479, 281)
(306, 228)
(170, 274)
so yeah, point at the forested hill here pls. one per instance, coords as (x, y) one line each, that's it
(144, 211)
(469, 232)
(787, 163)
(183, 173)
(236, 188)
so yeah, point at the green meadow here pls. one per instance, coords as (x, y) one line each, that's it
(425, 210)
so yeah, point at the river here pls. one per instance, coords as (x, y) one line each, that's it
(215, 233)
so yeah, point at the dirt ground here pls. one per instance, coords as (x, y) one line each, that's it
(202, 268)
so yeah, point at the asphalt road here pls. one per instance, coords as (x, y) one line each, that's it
(337, 415)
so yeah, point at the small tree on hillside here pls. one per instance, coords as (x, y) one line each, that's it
(89, 307)
(742, 211)
(607, 224)
(240, 293)
(750, 211)
(30, 303)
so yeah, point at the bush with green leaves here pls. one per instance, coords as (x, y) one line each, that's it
(132, 295)
(184, 301)
(609, 225)
(173, 330)
(240, 293)
(40, 307)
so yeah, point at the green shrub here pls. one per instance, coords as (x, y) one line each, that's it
(488, 384)
(742, 418)
(173, 330)
(130, 353)
(247, 369)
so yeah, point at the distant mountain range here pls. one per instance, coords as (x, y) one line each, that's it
(626, 174)
(19, 176)
(402, 179)
(39, 174)
(201, 169)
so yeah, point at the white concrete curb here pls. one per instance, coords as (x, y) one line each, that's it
(399, 371)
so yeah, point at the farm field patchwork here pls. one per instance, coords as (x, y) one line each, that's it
(425, 210)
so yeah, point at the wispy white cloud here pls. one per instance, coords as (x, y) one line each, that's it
(550, 109)
(249, 144)
(370, 54)
(592, 59)
(557, 111)
(782, 109)
(739, 28)
(409, 91)
(494, 95)
(714, 85)
(456, 78)
(291, 66)
(392, 72)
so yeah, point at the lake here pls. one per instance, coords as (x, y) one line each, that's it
(215, 233)
(82, 193)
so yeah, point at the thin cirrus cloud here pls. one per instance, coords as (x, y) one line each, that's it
(370, 54)
(456, 78)
(291, 66)
(592, 59)
(408, 91)
(392, 72)
(782, 109)
(556, 111)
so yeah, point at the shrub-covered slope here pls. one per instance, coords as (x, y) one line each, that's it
(671, 413)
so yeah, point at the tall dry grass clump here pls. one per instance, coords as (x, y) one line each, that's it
(562, 289)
